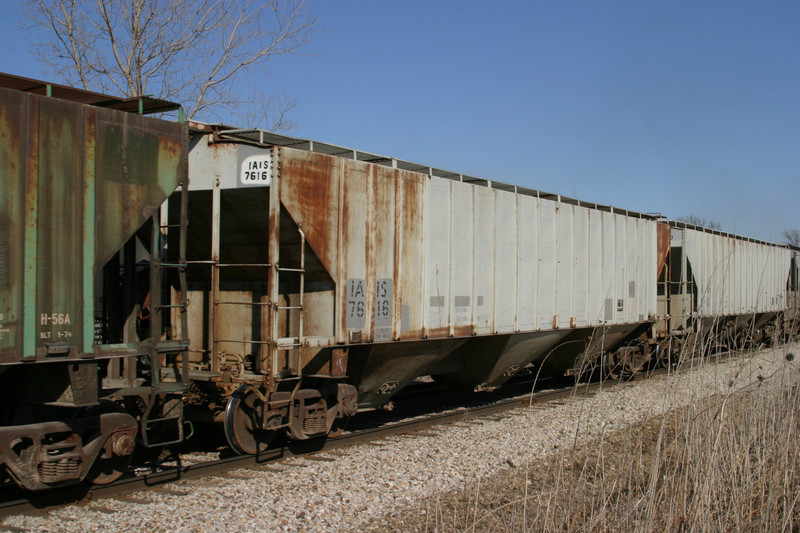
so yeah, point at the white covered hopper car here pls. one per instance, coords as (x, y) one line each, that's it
(323, 280)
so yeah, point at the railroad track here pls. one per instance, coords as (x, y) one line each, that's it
(185, 470)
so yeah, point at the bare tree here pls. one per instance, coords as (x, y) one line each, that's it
(792, 236)
(198, 53)
(699, 221)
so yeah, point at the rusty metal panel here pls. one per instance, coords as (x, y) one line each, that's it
(61, 180)
(12, 228)
(353, 251)
(380, 255)
(60, 226)
(409, 255)
(197, 320)
(505, 251)
(139, 162)
(309, 190)
(663, 236)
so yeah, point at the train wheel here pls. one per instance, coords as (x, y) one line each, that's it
(117, 451)
(244, 416)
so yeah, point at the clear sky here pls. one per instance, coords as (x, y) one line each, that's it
(684, 107)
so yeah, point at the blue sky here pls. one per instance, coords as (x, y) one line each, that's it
(685, 107)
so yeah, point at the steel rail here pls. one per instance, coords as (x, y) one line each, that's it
(69, 495)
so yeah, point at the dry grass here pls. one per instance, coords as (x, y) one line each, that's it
(727, 463)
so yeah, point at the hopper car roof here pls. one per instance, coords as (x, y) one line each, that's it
(267, 138)
(685, 225)
(143, 104)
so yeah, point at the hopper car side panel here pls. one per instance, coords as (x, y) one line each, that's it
(542, 273)
(409, 256)
(735, 276)
(504, 300)
(581, 267)
(484, 267)
(543, 246)
(13, 209)
(436, 266)
(78, 182)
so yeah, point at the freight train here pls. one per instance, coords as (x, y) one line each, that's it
(156, 273)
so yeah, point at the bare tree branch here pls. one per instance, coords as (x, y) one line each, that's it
(198, 53)
(792, 236)
(699, 221)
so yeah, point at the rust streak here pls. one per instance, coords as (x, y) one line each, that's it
(663, 232)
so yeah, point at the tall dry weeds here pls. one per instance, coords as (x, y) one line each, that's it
(729, 462)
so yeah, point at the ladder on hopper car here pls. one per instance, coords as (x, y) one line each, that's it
(215, 340)
(171, 354)
(284, 345)
(275, 345)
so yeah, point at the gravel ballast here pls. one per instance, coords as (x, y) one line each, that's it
(368, 485)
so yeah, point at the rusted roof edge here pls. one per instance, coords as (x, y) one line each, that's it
(139, 105)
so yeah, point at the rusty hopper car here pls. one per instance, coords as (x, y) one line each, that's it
(723, 289)
(322, 280)
(83, 175)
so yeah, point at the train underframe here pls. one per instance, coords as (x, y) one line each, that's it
(69, 428)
